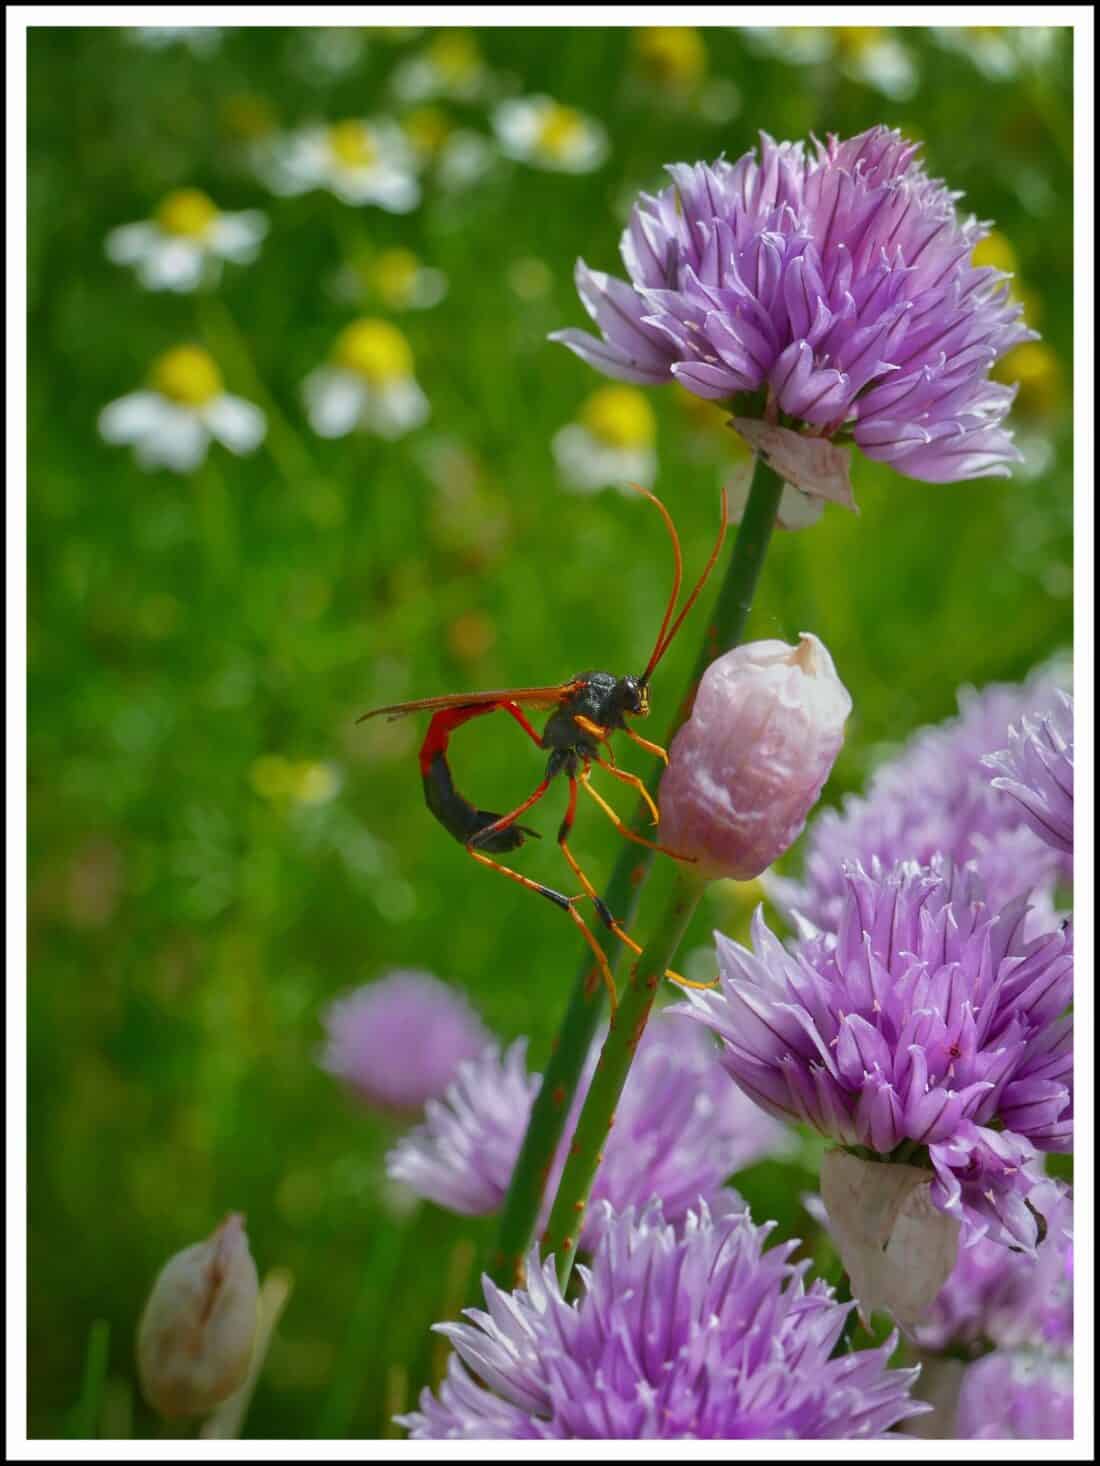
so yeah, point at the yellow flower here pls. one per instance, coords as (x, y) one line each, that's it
(313, 783)
(455, 56)
(188, 375)
(671, 55)
(994, 252)
(856, 40)
(427, 128)
(394, 274)
(1035, 366)
(188, 213)
(560, 129)
(375, 350)
(620, 417)
(351, 144)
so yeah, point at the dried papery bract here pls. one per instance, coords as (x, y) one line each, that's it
(195, 1337)
(897, 1249)
(748, 766)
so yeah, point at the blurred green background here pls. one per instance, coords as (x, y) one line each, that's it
(215, 848)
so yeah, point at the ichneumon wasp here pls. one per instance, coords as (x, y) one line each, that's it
(587, 710)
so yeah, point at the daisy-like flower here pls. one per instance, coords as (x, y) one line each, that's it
(612, 442)
(368, 383)
(394, 277)
(934, 797)
(832, 285)
(927, 1024)
(867, 53)
(681, 1130)
(692, 1333)
(1037, 770)
(548, 135)
(451, 67)
(361, 162)
(1010, 1396)
(185, 241)
(171, 422)
(399, 1041)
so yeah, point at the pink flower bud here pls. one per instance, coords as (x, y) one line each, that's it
(748, 766)
(195, 1336)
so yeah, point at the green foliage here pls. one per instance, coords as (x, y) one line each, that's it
(185, 930)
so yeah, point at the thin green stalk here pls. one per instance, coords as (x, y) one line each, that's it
(229, 344)
(582, 1017)
(623, 1036)
(86, 1413)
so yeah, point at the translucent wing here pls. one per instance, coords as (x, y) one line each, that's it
(546, 697)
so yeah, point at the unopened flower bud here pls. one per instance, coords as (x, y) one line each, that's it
(195, 1337)
(748, 766)
(898, 1249)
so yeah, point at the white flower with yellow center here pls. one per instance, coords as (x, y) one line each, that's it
(868, 53)
(361, 162)
(368, 384)
(171, 422)
(185, 241)
(451, 67)
(611, 443)
(544, 133)
(395, 277)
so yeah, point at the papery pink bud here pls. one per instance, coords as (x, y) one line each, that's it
(195, 1337)
(748, 766)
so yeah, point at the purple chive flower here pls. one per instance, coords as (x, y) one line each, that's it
(1037, 770)
(398, 1041)
(692, 1333)
(680, 1131)
(935, 797)
(837, 277)
(748, 765)
(1022, 1397)
(927, 1022)
(998, 1297)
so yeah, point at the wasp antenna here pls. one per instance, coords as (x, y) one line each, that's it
(664, 640)
(677, 581)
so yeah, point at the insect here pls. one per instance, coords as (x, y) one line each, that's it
(587, 710)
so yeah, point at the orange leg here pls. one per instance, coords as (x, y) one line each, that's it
(601, 907)
(625, 830)
(653, 748)
(635, 783)
(567, 904)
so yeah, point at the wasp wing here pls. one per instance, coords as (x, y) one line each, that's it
(546, 697)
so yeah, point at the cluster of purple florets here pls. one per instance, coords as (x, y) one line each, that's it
(921, 1014)
(910, 1016)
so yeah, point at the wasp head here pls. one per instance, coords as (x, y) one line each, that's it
(632, 695)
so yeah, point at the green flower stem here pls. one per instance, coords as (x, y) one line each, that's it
(620, 1046)
(230, 346)
(574, 1039)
